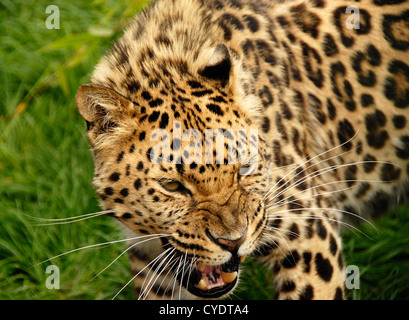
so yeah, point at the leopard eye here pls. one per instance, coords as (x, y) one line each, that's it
(171, 185)
(246, 171)
(175, 186)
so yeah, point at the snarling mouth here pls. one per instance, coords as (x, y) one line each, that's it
(213, 281)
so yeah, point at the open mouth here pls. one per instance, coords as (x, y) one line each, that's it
(213, 281)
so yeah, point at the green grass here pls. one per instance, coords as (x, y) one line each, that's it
(382, 255)
(45, 164)
(46, 168)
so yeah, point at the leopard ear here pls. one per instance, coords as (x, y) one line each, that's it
(219, 65)
(102, 108)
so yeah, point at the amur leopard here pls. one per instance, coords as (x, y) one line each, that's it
(222, 129)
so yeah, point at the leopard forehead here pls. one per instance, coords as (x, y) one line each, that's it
(160, 52)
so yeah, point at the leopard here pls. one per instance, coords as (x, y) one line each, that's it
(226, 129)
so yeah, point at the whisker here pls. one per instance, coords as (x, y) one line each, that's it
(270, 237)
(279, 230)
(123, 252)
(329, 192)
(67, 220)
(316, 174)
(168, 266)
(283, 202)
(156, 274)
(133, 278)
(330, 209)
(183, 274)
(172, 263)
(315, 164)
(309, 160)
(319, 218)
(175, 276)
(192, 262)
(98, 245)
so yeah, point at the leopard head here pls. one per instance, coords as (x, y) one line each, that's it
(183, 161)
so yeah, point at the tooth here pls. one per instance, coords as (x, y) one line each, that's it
(201, 266)
(228, 277)
(242, 258)
(202, 284)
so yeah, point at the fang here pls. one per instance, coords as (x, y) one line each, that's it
(202, 284)
(201, 266)
(228, 277)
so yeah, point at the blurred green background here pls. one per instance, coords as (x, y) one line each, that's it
(46, 168)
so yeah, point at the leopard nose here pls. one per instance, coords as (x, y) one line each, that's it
(227, 243)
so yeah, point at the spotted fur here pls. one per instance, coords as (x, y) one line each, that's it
(331, 106)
